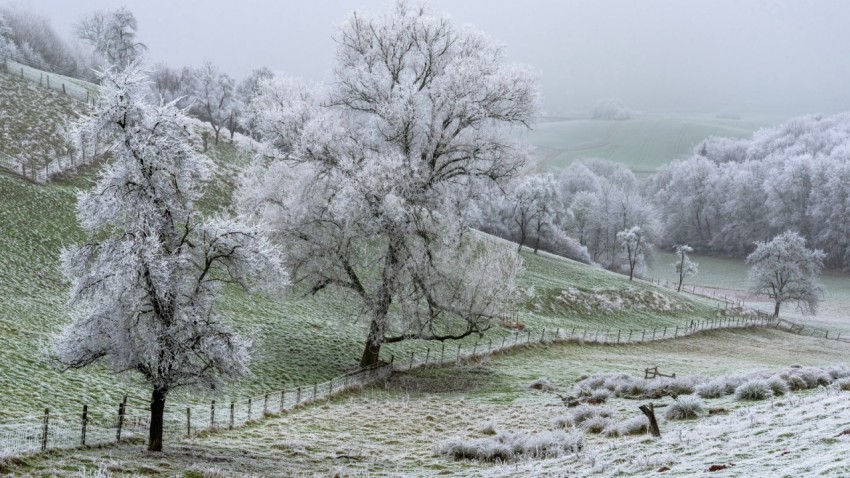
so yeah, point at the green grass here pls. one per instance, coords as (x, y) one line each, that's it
(391, 429)
(301, 339)
(643, 143)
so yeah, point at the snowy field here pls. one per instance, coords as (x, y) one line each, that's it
(393, 430)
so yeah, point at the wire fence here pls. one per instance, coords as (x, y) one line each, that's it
(41, 74)
(52, 431)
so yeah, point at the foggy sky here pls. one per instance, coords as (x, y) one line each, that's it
(770, 56)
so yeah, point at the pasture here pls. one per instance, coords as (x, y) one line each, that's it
(643, 143)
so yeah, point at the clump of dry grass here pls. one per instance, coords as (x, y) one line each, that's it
(512, 446)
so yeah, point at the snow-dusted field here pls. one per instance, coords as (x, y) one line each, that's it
(392, 430)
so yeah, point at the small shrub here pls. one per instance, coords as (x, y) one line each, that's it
(562, 421)
(795, 382)
(777, 385)
(488, 428)
(685, 407)
(600, 396)
(509, 446)
(839, 372)
(542, 384)
(842, 384)
(814, 377)
(755, 389)
(630, 388)
(635, 426)
(585, 412)
(713, 389)
(596, 424)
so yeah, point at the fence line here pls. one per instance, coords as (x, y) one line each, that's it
(40, 73)
(50, 431)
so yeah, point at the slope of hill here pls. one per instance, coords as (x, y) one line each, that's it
(32, 122)
(642, 143)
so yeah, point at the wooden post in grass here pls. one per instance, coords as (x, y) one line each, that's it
(676, 333)
(266, 404)
(573, 333)
(48, 82)
(232, 415)
(283, 395)
(503, 342)
(516, 336)
(250, 405)
(474, 348)
(558, 333)
(44, 424)
(427, 355)
(22, 73)
(316, 386)
(643, 335)
(457, 360)
(410, 367)
(120, 421)
(630, 335)
(649, 411)
(490, 347)
(653, 334)
(528, 339)
(442, 352)
(63, 89)
(188, 422)
(297, 396)
(618, 336)
(212, 415)
(85, 422)
(665, 333)
(543, 335)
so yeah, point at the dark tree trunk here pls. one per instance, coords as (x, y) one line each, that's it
(776, 309)
(157, 413)
(372, 350)
(537, 243)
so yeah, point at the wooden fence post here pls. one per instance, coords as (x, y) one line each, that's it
(266, 404)
(283, 392)
(120, 422)
(427, 355)
(232, 414)
(503, 342)
(442, 352)
(85, 422)
(48, 82)
(528, 339)
(630, 335)
(457, 360)
(474, 348)
(410, 367)
(44, 423)
(676, 334)
(298, 396)
(665, 333)
(543, 335)
(316, 388)
(558, 333)
(618, 336)
(249, 409)
(188, 422)
(643, 335)
(63, 89)
(212, 415)
(490, 347)
(649, 411)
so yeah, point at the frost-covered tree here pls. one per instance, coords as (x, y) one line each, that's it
(246, 92)
(171, 84)
(214, 98)
(786, 270)
(610, 109)
(683, 266)
(376, 174)
(534, 206)
(112, 34)
(145, 284)
(634, 246)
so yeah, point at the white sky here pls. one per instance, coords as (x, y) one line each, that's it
(657, 55)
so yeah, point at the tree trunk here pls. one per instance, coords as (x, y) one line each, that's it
(776, 309)
(372, 351)
(157, 413)
(537, 243)
(521, 239)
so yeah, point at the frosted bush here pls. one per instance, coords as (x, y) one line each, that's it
(509, 446)
(685, 407)
(562, 421)
(814, 377)
(839, 371)
(634, 426)
(795, 382)
(542, 384)
(713, 389)
(601, 395)
(777, 385)
(596, 424)
(842, 384)
(585, 412)
(756, 389)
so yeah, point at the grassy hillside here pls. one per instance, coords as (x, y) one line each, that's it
(392, 430)
(302, 339)
(643, 143)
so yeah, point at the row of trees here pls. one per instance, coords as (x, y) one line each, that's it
(733, 193)
(578, 212)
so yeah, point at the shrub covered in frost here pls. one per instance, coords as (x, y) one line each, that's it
(755, 389)
(600, 396)
(713, 389)
(585, 412)
(685, 407)
(511, 446)
(542, 384)
(777, 385)
(842, 384)
(596, 424)
(563, 421)
(839, 371)
(634, 426)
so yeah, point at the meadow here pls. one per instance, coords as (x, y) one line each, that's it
(643, 143)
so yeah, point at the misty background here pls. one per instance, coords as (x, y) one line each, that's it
(777, 57)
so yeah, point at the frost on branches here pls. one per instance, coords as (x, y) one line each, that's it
(144, 287)
(373, 177)
(634, 245)
(785, 270)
